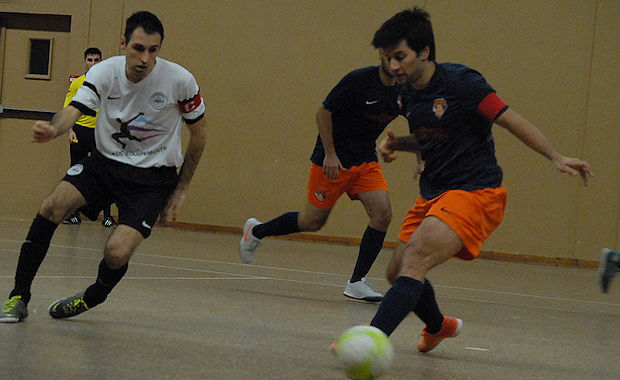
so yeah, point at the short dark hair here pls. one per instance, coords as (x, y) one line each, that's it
(148, 21)
(413, 25)
(92, 51)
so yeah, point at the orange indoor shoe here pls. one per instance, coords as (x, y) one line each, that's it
(450, 328)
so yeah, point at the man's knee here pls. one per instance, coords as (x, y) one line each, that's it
(312, 221)
(311, 225)
(381, 219)
(116, 255)
(53, 209)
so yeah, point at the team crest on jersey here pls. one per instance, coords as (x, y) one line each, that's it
(75, 169)
(439, 107)
(158, 100)
(320, 195)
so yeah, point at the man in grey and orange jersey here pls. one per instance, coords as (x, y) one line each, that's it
(344, 160)
(451, 110)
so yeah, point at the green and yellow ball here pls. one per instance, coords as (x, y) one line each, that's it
(364, 352)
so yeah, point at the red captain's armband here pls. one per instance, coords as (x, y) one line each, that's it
(491, 107)
(188, 106)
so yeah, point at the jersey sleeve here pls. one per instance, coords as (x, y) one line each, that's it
(491, 107)
(479, 96)
(88, 96)
(342, 98)
(191, 104)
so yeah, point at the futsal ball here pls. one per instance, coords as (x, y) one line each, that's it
(365, 352)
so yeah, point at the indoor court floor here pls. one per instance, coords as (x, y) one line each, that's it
(189, 309)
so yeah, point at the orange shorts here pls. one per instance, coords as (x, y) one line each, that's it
(473, 215)
(323, 193)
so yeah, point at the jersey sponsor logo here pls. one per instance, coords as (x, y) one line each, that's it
(188, 106)
(75, 169)
(125, 132)
(137, 129)
(439, 107)
(158, 100)
(369, 102)
(320, 195)
(423, 133)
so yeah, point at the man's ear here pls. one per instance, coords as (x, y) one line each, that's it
(424, 53)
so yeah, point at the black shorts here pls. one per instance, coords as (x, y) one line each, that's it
(140, 194)
(85, 145)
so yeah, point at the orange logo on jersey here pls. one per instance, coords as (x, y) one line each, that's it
(320, 195)
(439, 107)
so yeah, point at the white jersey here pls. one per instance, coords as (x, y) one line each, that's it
(140, 124)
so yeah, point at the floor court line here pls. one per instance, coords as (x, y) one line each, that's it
(187, 259)
(151, 278)
(438, 286)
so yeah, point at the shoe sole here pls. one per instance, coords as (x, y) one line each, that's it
(11, 320)
(367, 299)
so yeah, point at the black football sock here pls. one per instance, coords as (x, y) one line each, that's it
(427, 309)
(371, 245)
(31, 256)
(397, 303)
(106, 281)
(282, 225)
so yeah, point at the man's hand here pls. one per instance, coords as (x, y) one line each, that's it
(385, 147)
(72, 136)
(574, 166)
(331, 167)
(43, 131)
(171, 212)
(419, 168)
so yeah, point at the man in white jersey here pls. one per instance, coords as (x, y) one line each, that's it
(143, 102)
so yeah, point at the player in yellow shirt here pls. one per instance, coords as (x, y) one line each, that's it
(82, 135)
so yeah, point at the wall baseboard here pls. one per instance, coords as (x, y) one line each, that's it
(486, 255)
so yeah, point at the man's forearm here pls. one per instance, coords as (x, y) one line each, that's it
(528, 133)
(405, 143)
(64, 119)
(193, 154)
(324, 125)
